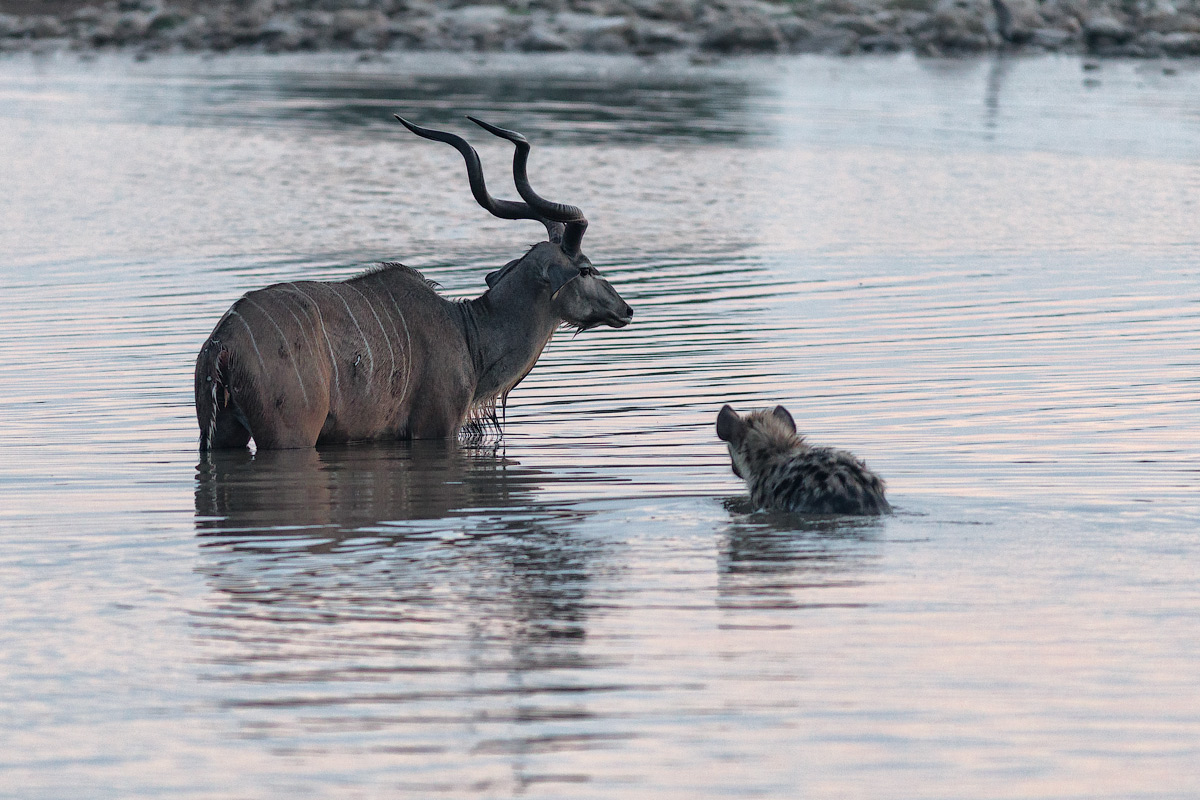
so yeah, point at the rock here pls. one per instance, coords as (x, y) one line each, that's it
(1133, 49)
(481, 27)
(581, 26)
(163, 23)
(541, 39)
(862, 26)
(1050, 38)
(1105, 29)
(600, 8)
(192, 34)
(912, 22)
(828, 40)
(1172, 23)
(1148, 45)
(45, 26)
(957, 26)
(936, 27)
(361, 29)
(417, 34)
(649, 37)
(121, 28)
(923, 6)
(1063, 14)
(741, 32)
(665, 10)
(884, 43)
(241, 30)
(219, 34)
(609, 34)
(795, 31)
(315, 19)
(253, 16)
(1181, 43)
(854, 7)
(1016, 20)
(282, 33)
(347, 21)
(888, 20)
(86, 15)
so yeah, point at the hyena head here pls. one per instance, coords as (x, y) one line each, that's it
(756, 437)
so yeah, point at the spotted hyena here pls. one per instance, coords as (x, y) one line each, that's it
(784, 472)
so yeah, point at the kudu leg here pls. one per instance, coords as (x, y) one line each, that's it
(228, 432)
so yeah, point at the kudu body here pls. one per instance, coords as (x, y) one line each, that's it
(383, 355)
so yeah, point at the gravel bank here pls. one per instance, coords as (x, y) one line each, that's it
(1140, 28)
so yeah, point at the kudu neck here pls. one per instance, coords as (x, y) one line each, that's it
(507, 328)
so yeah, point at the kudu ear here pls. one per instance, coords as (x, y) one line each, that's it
(729, 425)
(780, 413)
(494, 277)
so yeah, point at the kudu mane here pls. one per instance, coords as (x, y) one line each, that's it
(482, 419)
(385, 266)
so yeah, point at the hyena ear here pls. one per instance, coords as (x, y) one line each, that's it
(780, 413)
(729, 425)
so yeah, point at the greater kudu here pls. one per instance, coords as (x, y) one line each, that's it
(384, 356)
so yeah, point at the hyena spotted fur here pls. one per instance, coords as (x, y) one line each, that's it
(783, 472)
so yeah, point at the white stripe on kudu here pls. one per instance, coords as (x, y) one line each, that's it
(370, 356)
(250, 331)
(287, 347)
(407, 349)
(382, 330)
(328, 342)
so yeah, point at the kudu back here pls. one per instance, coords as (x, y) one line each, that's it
(383, 355)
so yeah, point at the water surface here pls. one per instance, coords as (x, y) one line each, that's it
(980, 276)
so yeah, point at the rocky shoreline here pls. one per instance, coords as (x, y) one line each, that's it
(1132, 28)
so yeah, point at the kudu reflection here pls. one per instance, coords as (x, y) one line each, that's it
(383, 355)
(343, 489)
(339, 535)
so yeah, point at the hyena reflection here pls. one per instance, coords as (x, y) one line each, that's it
(783, 472)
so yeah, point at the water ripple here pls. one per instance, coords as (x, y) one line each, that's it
(946, 267)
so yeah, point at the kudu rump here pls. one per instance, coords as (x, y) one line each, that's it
(384, 356)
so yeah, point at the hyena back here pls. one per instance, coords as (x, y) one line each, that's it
(783, 472)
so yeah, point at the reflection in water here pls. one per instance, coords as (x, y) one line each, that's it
(777, 560)
(631, 106)
(414, 608)
(399, 601)
(997, 72)
(580, 99)
(353, 486)
(391, 510)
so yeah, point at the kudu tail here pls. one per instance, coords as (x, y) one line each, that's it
(220, 426)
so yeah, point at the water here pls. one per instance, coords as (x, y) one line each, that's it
(980, 276)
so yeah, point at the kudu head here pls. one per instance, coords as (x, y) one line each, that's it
(578, 295)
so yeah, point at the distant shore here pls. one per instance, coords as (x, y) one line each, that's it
(1130, 28)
